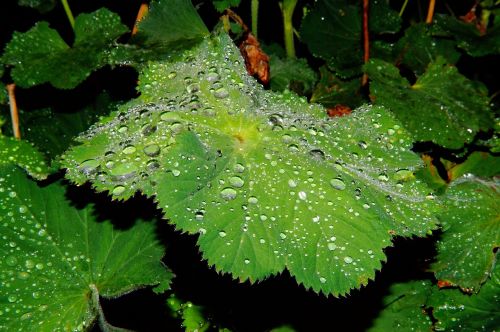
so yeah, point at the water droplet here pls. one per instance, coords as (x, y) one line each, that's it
(192, 88)
(302, 195)
(362, 144)
(332, 246)
(129, 149)
(176, 172)
(236, 181)
(153, 164)
(172, 75)
(317, 154)
(239, 168)
(292, 183)
(383, 177)
(23, 209)
(283, 236)
(253, 200)
(23, 275)
(212, 77)
(199, 216)
(228, 194)
(322, 280)
(36, 295)
(29, 264)
(123, 129)
(12, 194)
(391, 131)
(118, 190)
(247, 261)
(123, 171)
(263, 217)
(12, 298)
(89, 166)
(222, 234)
(152, 150)
(221, 93)
(148, 129)
(337, 183)
(348, 259)
(11, 260)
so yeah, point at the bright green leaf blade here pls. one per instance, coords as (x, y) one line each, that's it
(468, 37)
(52, 253)
(40, 55)
(172, 24)
(456, 311)
(192, 316)
(221, 5)
(478, 163)
(404, 309)
(442, 106)
(42, 6)
(24, 155)
(265, 179)
(291, 74)
(471, 224)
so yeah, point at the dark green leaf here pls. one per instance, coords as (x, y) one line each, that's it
(56, 257)
(40, 55)
(442, 106)
(467, 36)
(471, 233)
(331, 90)
(172, 24)
(291, 74)
(221, 5)
(265, 179)
(404, 308)
(478, 163)
(24, 155)
(382, 18)
(42, 6)
(456, 311)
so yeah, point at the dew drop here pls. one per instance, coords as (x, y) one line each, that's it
(228, 194)
(123, 129)
(239, 168)
(253, 200)
(172, 75)
(348, 259)
(317, 154)
(302, 195)
(11, 261)
(152, 150)
(292, 183)
(23, 275)
(199, 216)
(362, 144)
(29, 264)
(12, 298)
(236, 181)
(147, 130)
(89, 166)
(221, 93)
(118, 190)
(283, 236)
(322, 280)
(129, 149)
(337, 183)
(383, 177)
(222, 234)
(247, 261)
(176, 172)
(332, 246)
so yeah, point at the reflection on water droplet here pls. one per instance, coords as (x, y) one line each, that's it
(36, 295)
(172, 75)
(228, 194)
(147, 130)
(322, 280)
(337, 184)
(317, 154)
(362, 144)
(236, 181)
(292, 183)
(302, 195)
(11, 260)
(253, 200)
(118, 190)
(221, 93)
(12, 298)
(23, 275)
(247, 261)
(122, 129)
(29, 264)
(332, 246)
(383, 177)
(89, 166)
(239, 168)
(129, 149)
(199, 216)
(348, 259)
(192, 88)
(283, 236)
(222, 234)
(123, 171)
(152, 150)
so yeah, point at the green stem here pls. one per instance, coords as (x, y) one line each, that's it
(287, 8)
(96, 303)
(69, 14)
(403, 8)
(255, 16)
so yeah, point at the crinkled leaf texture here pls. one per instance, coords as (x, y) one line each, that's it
(471, 224)
(23, 154)
(40, 55)
(42, 6)
(53, 254)
(442, 106)
(265, 179)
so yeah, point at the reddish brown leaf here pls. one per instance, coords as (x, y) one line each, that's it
(338, 110)
(256, 61)
(444, 283)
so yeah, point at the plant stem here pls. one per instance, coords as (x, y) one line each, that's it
(103, 324)
(366, 39)
(403, 8)
(430, 11)
(69, 14)
(287, 8)
(143, 11)
(255, 17)
(14, 114)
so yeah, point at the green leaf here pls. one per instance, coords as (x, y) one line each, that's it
(192, 316)
(52, 132)
(404, 308)
(55, 258)
(171, 25)
(265, 179)
(456, 311)
(331, 90)
(418, 48)
(43, 6)
(24, 155)
(40, 55)
(332, 32)
(471, 233)
(222, 5)
(478, 163)
(292, 74)
(442, 106)
(467, 36)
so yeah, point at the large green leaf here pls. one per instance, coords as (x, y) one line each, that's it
(57, 260)
(265, 179)
(40, 55)
(456, 311)
(24, 155)
(404, 308)
(442, 106)
(471, 225)
(331, 90)
(332, 31)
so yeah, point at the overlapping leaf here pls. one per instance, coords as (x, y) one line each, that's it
(57, 259)
(23, 154)
(331, 90)
(42, 6)
(471, 224)
(40, 55)
(442, 106)
(404, 308)
(265, 180)
(292, 74)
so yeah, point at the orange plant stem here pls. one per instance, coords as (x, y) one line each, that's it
(143, 10)
(14, 114)
(366, 39)
(430, 11)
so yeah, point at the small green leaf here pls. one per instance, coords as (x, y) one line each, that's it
(42, 6)
(467, 36)
(478, 163)
(456, 311)
(292, 74)
(331, 90)
(171, 24)
(404, 308)
(192, 316)
(442, 106)
(24, 155)
(265, 179)
(53, 255)
(222, 5)
(40, 55)
(471, 233)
